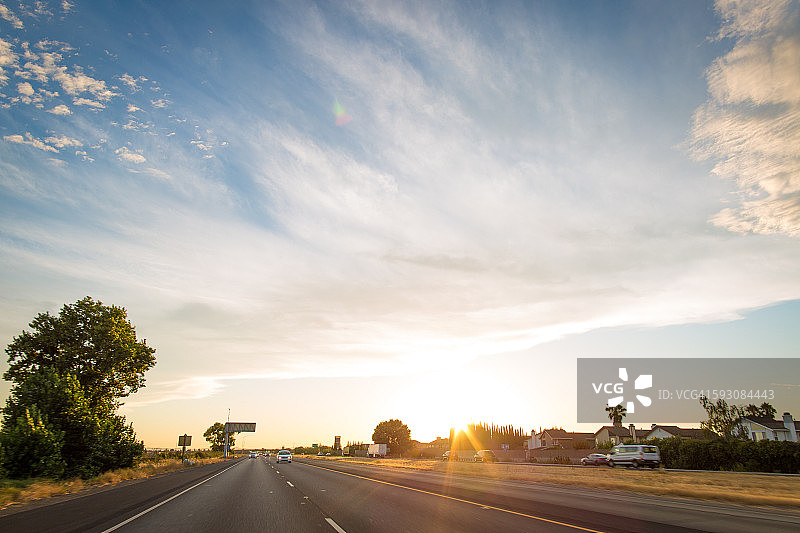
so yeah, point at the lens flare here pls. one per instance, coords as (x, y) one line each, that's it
(342, 117)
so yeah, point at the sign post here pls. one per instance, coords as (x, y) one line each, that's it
(237, 427)
(184, 440)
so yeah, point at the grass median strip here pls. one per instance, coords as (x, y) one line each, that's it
(732, 487)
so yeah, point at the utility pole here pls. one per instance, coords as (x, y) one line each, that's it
(225, 454)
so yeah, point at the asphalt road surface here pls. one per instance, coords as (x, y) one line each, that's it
(255, 495)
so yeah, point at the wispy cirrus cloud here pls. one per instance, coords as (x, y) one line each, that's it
(751, 124)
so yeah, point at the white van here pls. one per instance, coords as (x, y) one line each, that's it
(634, 455)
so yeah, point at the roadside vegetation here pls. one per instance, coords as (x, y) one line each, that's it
(20, 491)
(732, 487)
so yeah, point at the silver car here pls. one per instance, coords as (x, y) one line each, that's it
(634, 455)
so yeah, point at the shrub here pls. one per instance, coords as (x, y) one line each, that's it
(562, 460)
(736, 455)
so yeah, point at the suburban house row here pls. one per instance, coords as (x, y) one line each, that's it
(757, 428)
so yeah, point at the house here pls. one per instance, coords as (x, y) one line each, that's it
(566, 439)
(619, 434)
(667, 432)
(763, 428)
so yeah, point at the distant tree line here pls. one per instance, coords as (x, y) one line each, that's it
(488, 436)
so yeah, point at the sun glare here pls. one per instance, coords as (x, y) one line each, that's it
(446, 399)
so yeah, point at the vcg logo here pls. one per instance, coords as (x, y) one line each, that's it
(644, 381)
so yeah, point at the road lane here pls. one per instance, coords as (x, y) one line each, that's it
(96, 509)
(361, 505)
(589, 508)
(251, 496)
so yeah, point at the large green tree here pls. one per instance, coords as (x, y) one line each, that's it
(393, 433)
(94, 342)
(54, 409)
(215, 435)
(68, 374)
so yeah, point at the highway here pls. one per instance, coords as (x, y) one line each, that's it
(317, 495)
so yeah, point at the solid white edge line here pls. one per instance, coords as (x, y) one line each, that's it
(334, 525)
(134, 517)
(289, 483)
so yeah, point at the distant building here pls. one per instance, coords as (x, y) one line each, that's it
(618, 434)
(337, 442)
(566, 439)
(763, 428)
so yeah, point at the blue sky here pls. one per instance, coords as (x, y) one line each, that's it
(369, 210)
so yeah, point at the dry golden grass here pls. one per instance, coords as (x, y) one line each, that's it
(733, 487)
(14, 492)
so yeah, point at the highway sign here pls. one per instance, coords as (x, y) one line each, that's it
(239, 427)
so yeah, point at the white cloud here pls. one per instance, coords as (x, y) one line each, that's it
(60, 110)
(132, 108)
(84, 155)
(9, 16)
(751, 125)
(31, 141)
(160, 103)
(7, 56)
(88, 102)
(126, 154)
(25, 88)
(73, 83)
(63, 141)
(131, 82)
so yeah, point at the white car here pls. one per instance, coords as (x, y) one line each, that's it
(284, 456)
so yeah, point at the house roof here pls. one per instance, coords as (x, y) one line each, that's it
(690, 433)
(616, 431)
(562, 434)
(770, 423)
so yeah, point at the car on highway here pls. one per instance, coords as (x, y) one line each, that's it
(594, 459)
(485, 456)
(284, 456)
(635, 455)
(253, 455)
(449, 456)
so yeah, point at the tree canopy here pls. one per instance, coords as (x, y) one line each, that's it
(94, 342)
(393, 433)
(68, 373)
(616, 413)
(723, 419)
(765, 410)
(215, 435)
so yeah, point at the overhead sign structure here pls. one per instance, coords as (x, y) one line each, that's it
(240, 427)
(237, 427)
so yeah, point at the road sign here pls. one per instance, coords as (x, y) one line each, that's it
(239, 427)
(185, 440)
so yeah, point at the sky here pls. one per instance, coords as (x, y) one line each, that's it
(327, 214)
